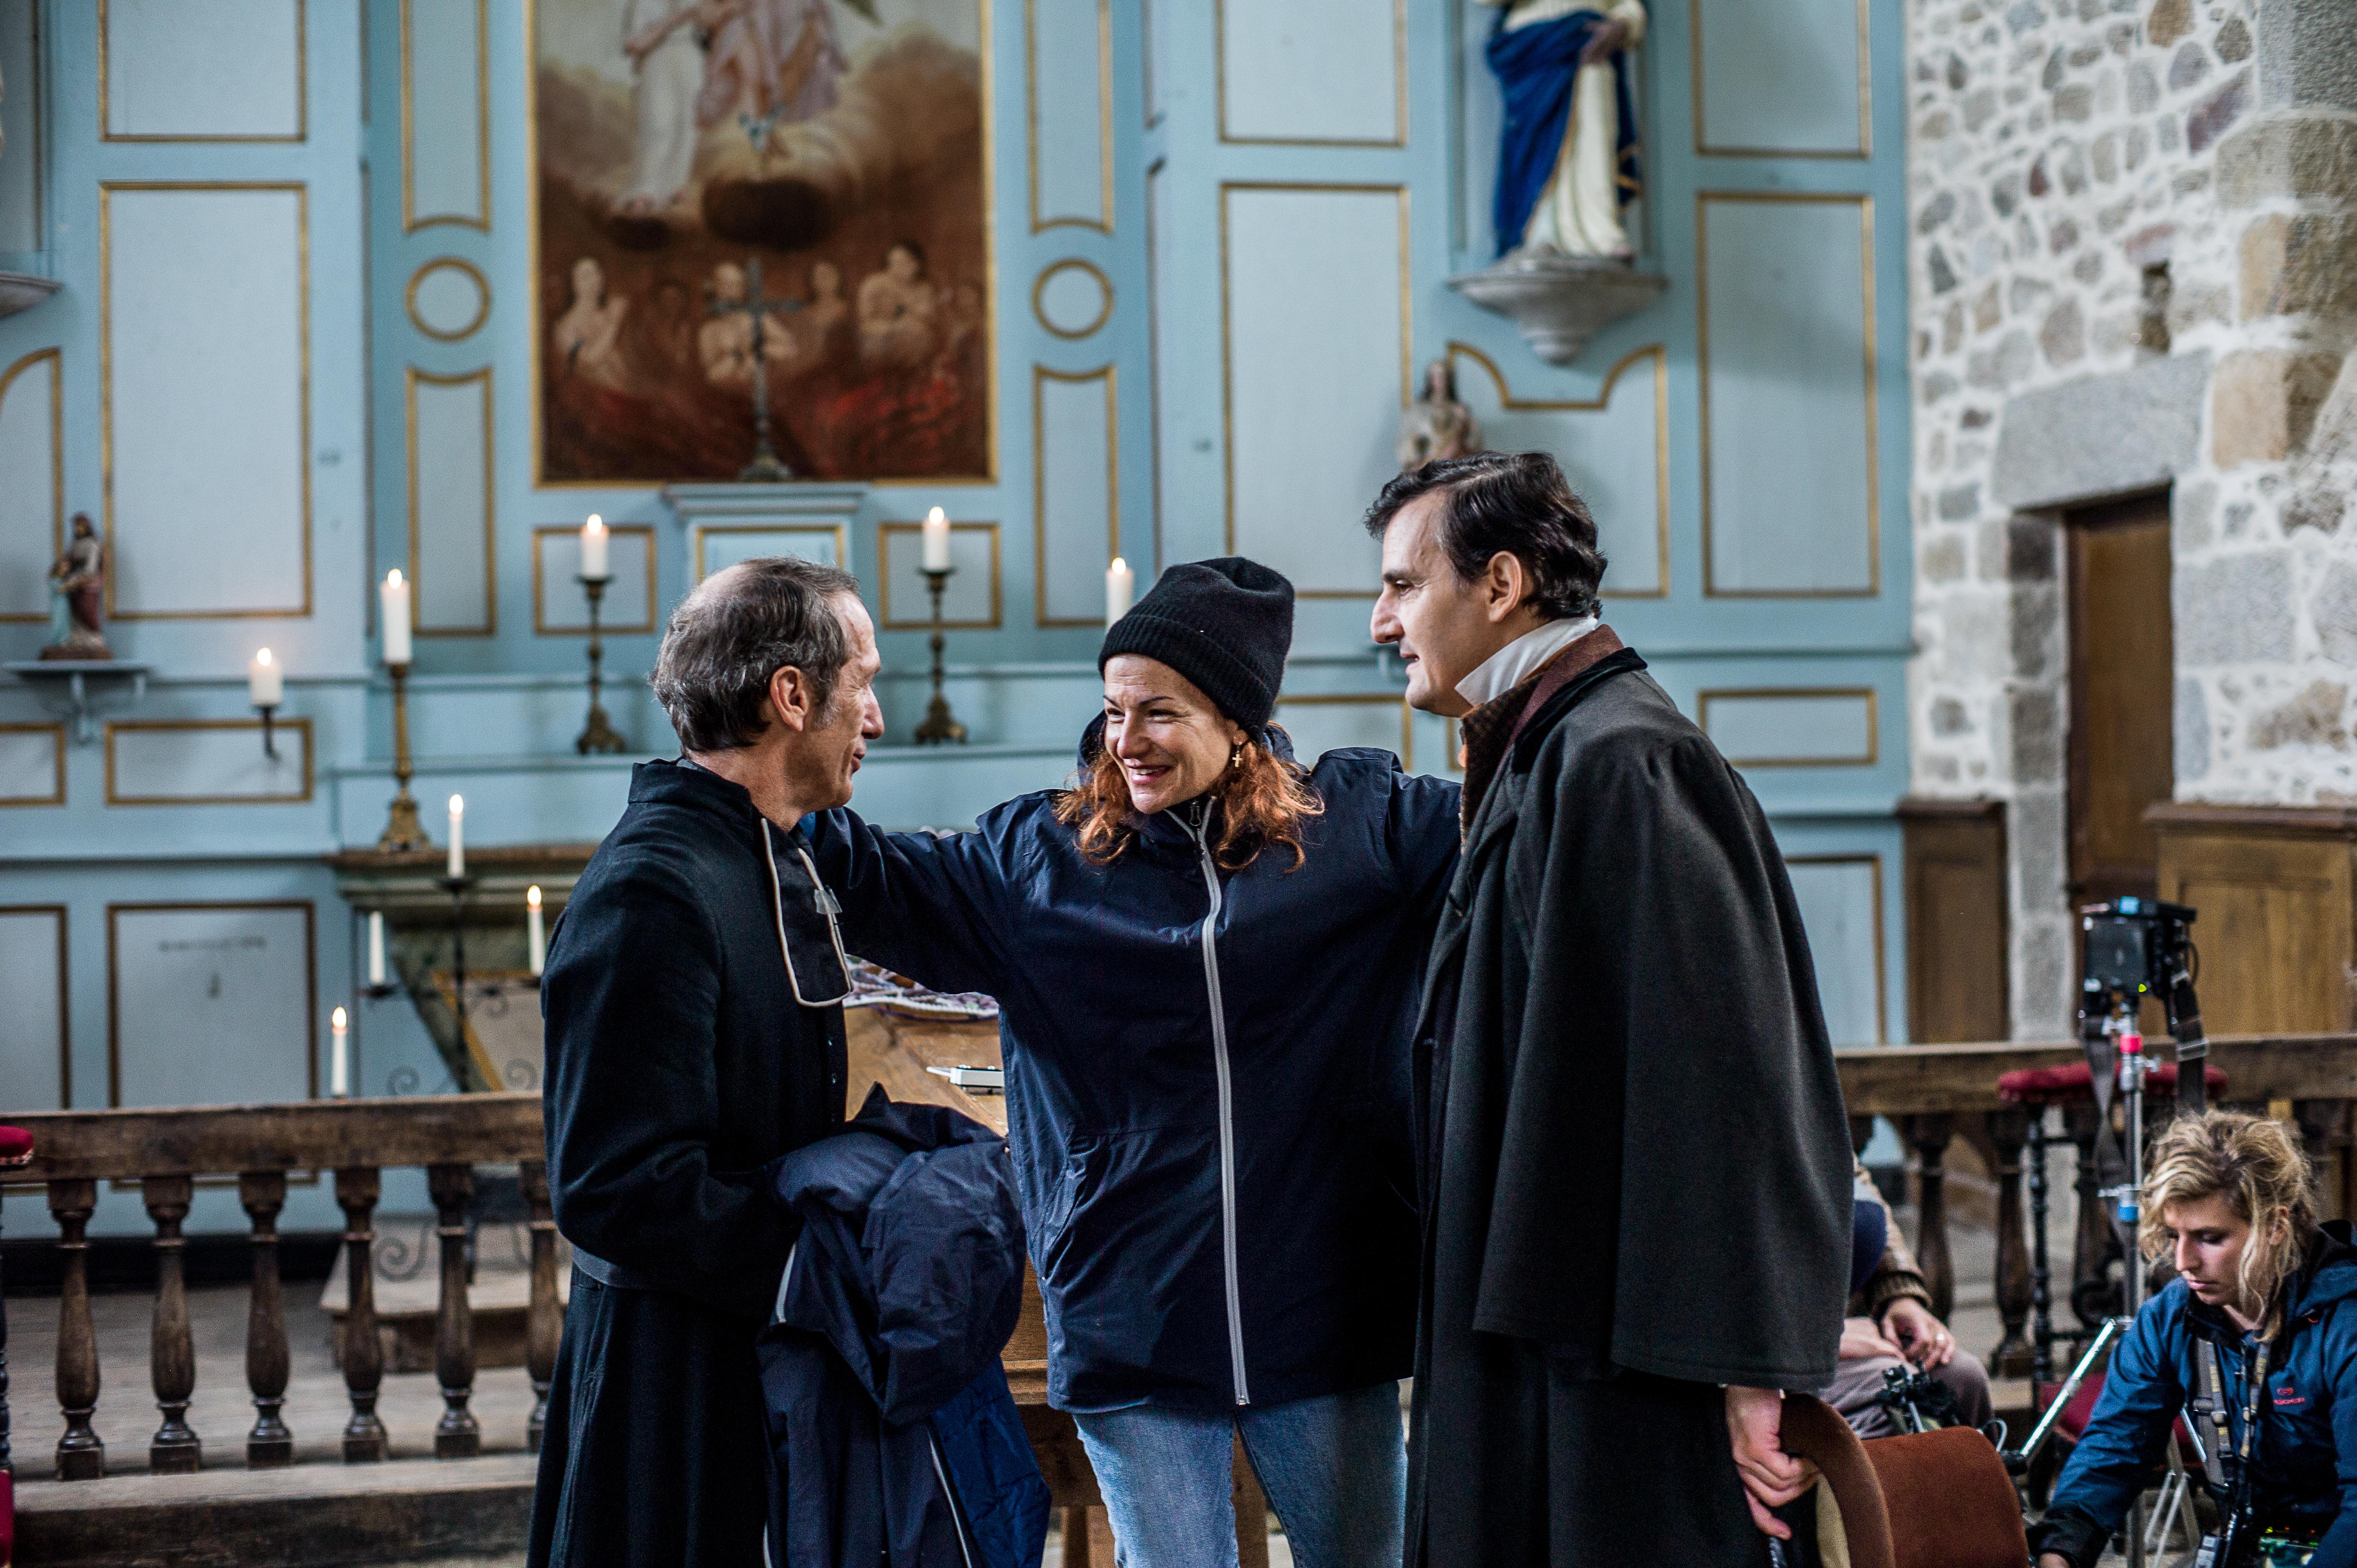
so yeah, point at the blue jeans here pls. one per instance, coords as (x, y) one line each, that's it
(1334, 1467)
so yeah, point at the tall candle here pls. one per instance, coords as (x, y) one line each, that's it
(395, 597)
(593, 547)
(339, 1066)
(937, 540)
(376, 947)
(457, 839)
(265, 682)
(535, 934)
(1121, 588)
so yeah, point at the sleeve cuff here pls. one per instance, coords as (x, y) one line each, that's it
(2070, 1533)
(1894, 1284)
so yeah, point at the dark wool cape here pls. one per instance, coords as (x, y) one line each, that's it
(1634, 1165)
(679, 1066)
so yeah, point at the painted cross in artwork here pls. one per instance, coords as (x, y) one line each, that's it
(838, 142)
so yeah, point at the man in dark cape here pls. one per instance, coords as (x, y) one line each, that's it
(694, 1034)
(1633, 1161)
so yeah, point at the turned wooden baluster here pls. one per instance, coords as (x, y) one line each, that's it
(2007, 1131)
(263, 1194)
(2091, 1247)
(1930, 1134)
(456, 1435)
(2041, 1268)
(172, 1345)
(2319, 1133)
(356, 1187)
(80, 1455)
(544, 1322)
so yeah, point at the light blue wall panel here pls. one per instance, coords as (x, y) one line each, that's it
(1789, 373)
(1070, 99)
(166, 60)
(32, 502)
(1783, 80)
(33, 980)
(452, 544)
(211, 1002)
(446, 114)
(21, 125)
(1077, 530)
(1841, 906)
(1791, 728)
(1310, 71)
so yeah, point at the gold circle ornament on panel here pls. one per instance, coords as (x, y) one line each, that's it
(449, 299)
(1072, 298)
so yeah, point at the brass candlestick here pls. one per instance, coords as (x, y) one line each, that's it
(598, 733)
(940, 725)
(403, 830)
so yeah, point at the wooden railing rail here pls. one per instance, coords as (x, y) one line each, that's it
(1936, 1093)
(260, 1145)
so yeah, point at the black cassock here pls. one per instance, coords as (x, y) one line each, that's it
(680, 1063)
(1634, 1164)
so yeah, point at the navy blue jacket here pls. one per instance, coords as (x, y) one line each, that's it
(1219, 1206)
(893, 1439)
(2304, 1461)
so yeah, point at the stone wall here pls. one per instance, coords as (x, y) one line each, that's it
(2133, 264)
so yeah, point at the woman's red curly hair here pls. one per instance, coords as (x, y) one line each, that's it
(1263, 800)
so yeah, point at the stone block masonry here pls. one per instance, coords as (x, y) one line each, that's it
(2133, 247)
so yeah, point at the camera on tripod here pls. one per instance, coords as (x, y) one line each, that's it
(2136, 948)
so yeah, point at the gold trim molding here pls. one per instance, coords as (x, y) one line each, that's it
(56, 734)
(411, 379)
(283, 726)
(1227, 338)
(887, 531)
(410, 221)
(1041, 376)
(643, 533)
(1039, 297)
(1398, 138)
(302, 92)
(56, 360)
(1865, 149)
(1040, 222)
(106, 192)
(1865, 204)
(1599, 404)
(482, 294)
(1803, 694)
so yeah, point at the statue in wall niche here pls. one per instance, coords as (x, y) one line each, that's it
(1567, 159)
(1435, 424)
(77, 597)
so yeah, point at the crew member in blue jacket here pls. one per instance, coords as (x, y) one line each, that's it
(2260, 1280)
(1207, 960)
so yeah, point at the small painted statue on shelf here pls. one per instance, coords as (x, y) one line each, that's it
(78, 597)
(1435, 424)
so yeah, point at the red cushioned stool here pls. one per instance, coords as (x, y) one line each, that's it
(16, 1149)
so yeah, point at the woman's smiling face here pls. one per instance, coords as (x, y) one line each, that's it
(1172, 742)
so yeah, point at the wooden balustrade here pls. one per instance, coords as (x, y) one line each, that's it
(1937, 1094)
(165, 1151)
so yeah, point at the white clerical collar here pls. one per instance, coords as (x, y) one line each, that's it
(1512, 664)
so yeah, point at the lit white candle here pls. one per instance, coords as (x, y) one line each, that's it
(1121, 588)
(937, 540)
(593, 547)
(395, 605)
(535, 935)
(457, 839)
(340, 1064)
(265, 682)
(376, 947)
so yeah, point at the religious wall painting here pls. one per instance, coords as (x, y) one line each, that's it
(776, 198)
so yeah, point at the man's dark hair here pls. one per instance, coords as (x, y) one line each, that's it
(1518, 502)
(729, 636)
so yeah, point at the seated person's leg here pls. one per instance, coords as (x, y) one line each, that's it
(1968, 1380)
(1852, 1392)
(1335, 1470)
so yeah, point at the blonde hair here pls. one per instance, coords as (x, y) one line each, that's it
(2259, 1167)
(1263, 801)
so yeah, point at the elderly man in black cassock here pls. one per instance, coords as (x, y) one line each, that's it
(1635, 1167)
(694, 1034)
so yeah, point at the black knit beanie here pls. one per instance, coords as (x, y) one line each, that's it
(1225, 625)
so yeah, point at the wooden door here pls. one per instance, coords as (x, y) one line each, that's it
(2122, 691)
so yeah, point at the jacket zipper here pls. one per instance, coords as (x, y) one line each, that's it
(1197, 820)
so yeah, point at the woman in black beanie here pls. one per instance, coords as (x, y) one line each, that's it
(1206, 959)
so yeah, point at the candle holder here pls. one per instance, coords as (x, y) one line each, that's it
(599, 735)
(458, 888)
(403, 830)
(269, 744)
(940, 725)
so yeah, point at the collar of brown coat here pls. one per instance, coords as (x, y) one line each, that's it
(1490, 730)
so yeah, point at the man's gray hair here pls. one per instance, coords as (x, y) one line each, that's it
(738, 628)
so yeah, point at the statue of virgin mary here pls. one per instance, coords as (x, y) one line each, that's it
(1567, 160)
